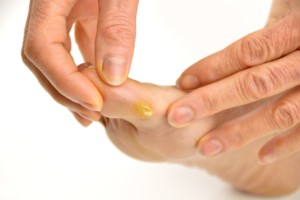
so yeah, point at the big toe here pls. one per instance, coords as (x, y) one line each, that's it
(135, 102)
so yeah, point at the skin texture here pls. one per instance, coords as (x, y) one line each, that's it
(154, 140)
(105, 30)
(46, 52)
(260, 65)
(142, 109)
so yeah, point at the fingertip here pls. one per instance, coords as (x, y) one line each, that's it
(180, 117)
(91, 100)
(94, 101)
(94, 105)
(113, 70)
(210, 147)
(268, 158)
(84, 122)
(188, 82)
(267, 155)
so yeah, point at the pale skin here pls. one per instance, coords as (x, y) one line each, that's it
(260, 65)
(153, 139)
(105, 28)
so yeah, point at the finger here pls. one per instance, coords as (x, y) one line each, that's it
(280, 115)
(82, 120)
(281, 9)
(82, 111)
(89, 114)
(85, 34)
(128, 102)
(45, 48)
(255, 49)
(282, 146)
(242, 88)
(115, 39)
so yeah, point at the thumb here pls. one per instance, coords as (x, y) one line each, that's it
(115, 39)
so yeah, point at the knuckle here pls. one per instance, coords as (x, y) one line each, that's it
(290, 27)
(27, 50)
(31, 50)
(291, 67)
(254, 49)
(24, 58)
(258, 84)
(27, 60)
(285, 115)
(118, 29)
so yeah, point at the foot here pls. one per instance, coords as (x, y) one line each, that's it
(134, 116)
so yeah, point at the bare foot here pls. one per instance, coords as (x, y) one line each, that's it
(135, 120)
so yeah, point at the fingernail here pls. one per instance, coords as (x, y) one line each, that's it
(180, 117)
(269, 158)
(95, 117)
(92, 107)
(188, 82)
(211, 147)
(114, 70)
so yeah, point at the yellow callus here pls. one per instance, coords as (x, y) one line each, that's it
(143, 110)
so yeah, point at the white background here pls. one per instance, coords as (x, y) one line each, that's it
(45, 154)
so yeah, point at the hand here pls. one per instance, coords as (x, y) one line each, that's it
(134, 116)
(260, 65)
(105, 32)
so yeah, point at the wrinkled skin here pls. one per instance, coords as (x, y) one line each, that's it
(155, 140)
(103, 28)
(260, 65)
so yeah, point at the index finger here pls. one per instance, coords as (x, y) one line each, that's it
(239, 89)
(255, 49)
(45, 47)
